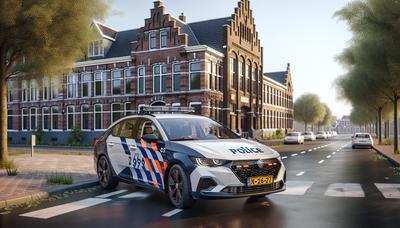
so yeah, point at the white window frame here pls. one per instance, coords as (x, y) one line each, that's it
(73, 117)
(23, 115)
(103, 82)
(173, 77)
(9, 91)
(116, 79)
(51, 118)
(191, 104)
(161, 75)
(144, 80)
(126, 78)
(125, 109)
(151, 39)
(100, 48)
(166, 38)
(83, 113)
(24, 91)
(30, 119)
(190, 74)
(94, 117)
(55, 92)
(89, 83)
(48, 118)
(74, 84)
(112, 111)
(34, 90)
(46, 89)
(141, 105)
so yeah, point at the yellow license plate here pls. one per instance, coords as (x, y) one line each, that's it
(261, 180)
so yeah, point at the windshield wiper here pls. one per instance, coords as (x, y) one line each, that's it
(183, 139)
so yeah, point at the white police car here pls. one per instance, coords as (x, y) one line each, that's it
(188, 157)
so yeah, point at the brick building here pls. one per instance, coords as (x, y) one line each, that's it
(215, 66)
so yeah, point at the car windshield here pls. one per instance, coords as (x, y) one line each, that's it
(293, 134)
(181, 129)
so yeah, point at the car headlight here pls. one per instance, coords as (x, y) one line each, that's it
(208, 162)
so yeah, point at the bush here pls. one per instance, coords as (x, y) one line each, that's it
(57, 178)
(10, 167)
(39, 136)
(75, 137)
(387, 141)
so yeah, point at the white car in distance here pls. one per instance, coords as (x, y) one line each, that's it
(321, 135)
(309, 136)
(294, 137)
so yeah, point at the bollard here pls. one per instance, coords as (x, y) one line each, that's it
(33, 144)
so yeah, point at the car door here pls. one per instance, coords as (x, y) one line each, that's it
(115, 150)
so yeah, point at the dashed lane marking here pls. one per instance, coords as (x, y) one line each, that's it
(111, 194)
(320, 162)
(389, 191)
(135, 195)
(294, 155)
(300, 174)
(64, 208)
(302, 152)
(329, 156)
(309, 150)
(171, 213)
(345, 190)
(284, 157)
(296, 188)
(333, 153)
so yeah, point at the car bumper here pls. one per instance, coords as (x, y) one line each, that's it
(362, 144)
(291, 142)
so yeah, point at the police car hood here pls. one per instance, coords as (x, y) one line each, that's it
(231, 149)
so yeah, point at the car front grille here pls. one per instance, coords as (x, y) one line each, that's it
(254, 189)
(245, 169)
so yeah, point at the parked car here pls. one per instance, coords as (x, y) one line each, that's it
(294, 137)
(309, 136)
(362, 140)
(321, 135)
(328, 134)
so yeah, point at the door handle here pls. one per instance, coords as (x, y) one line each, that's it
(111, 144)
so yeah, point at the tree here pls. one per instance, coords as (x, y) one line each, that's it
(308, 109)
(327, 119)
(41, 37)
(376, 23)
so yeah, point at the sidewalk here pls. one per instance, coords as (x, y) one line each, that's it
(31, 181)
(387, 151)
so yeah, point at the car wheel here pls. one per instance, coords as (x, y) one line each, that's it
(178, 188)
(104, 173)
(353, 147)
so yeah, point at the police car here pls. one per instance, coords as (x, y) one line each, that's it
(186, 156)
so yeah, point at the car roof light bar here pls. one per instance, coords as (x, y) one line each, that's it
(166, 109)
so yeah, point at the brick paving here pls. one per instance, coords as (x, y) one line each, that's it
(388, 151)
(32, 173)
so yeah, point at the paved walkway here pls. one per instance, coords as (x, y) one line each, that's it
(387, 151)
(33, 172)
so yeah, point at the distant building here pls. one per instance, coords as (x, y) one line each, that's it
(214, 66)
(345, 126)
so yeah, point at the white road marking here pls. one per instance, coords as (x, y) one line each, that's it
(333, 153)
(320, 162)
(284, 157)
(296, 188)
(337, 150)
(309, 150)
(111, 194)
(315, 148)
(135, 195)
(293, 155)
(300, 174)
(171, 213)
(302, 152)
(329, 156)
(345, 190)
(64, 208)
(389, 191)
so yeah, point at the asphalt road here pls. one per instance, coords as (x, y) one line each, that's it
(329, 185)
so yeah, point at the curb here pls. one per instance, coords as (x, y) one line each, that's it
(391, 160)
(44, 195)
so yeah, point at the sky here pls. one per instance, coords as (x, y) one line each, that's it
(303, 33)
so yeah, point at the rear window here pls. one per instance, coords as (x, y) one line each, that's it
(321, 132)
(293, 134)
(362, 136)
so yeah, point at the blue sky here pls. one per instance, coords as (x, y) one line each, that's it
(301, 32)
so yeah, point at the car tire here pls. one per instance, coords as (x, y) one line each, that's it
(353, 147)
(179, 193)
(105, 175)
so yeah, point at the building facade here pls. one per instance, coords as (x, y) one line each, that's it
(215, 66)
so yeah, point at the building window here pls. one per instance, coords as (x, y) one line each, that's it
(10, 91)
(116, 112)
(85, 114)
(196, 106)
(128, 109)
(164, 39)
(160, 78)
(153, 40)
(96, 48)
(195, 73)
(100, 83)
(45, 118)
(10, 119)
(176, 82)
(46, 89)
(233, 65)
(242, 72)
(128, 81)
(55, 115)
(70, 117)
(54, 91)
(25, 119)
(33, 118)
(86, 84)
(34, 91)
(98, 117)
(210, 76)
(116, 84)
(72, 85)
(254, 74)
(248, 74)
(24, 91)
(141, 80)
(218, 78)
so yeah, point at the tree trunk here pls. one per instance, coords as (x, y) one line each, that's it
(305, 126)
(396, 138)
(3, 120)
(379, 127)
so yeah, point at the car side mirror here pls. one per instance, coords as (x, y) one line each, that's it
(150, 138)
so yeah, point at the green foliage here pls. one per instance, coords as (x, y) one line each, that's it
(75, 137)
(59, 178)
(327, 120)
(39, 136)
(278, 134)
(308, 109)
(387, 141)
(10, 167)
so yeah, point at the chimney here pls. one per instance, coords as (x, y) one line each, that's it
(182, 17)
(158, 3)
(288, 67)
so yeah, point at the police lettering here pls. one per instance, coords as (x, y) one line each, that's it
(246, 150)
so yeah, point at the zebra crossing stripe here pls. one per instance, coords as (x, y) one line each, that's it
(171, 213)
(389, 191)
(298, 188)
(345, 190)
(135, 195)
(111, 194)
